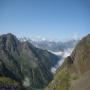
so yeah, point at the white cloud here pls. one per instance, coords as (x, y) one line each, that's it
(64, 54)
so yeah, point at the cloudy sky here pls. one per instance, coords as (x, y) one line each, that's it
(52, 19)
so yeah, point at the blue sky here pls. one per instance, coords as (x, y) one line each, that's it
(52, 19)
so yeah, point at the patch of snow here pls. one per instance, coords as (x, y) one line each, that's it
(38, 38)
(26, 82)
(23, 39)
(53, 70)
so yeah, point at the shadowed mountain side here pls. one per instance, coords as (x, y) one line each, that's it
(21, 61)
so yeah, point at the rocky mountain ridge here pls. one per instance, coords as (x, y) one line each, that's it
(74, 74)
(24, 63)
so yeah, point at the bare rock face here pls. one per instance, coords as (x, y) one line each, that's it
(23, 62)
(81, 55)
(74, 74)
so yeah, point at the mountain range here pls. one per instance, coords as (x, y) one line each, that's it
(24, 63)
(52, 45)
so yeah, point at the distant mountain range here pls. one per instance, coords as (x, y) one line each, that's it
(55, 46)
(52, 45)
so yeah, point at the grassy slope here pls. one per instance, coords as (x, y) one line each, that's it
(7, 83)
(61, 81)
(74, 74)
